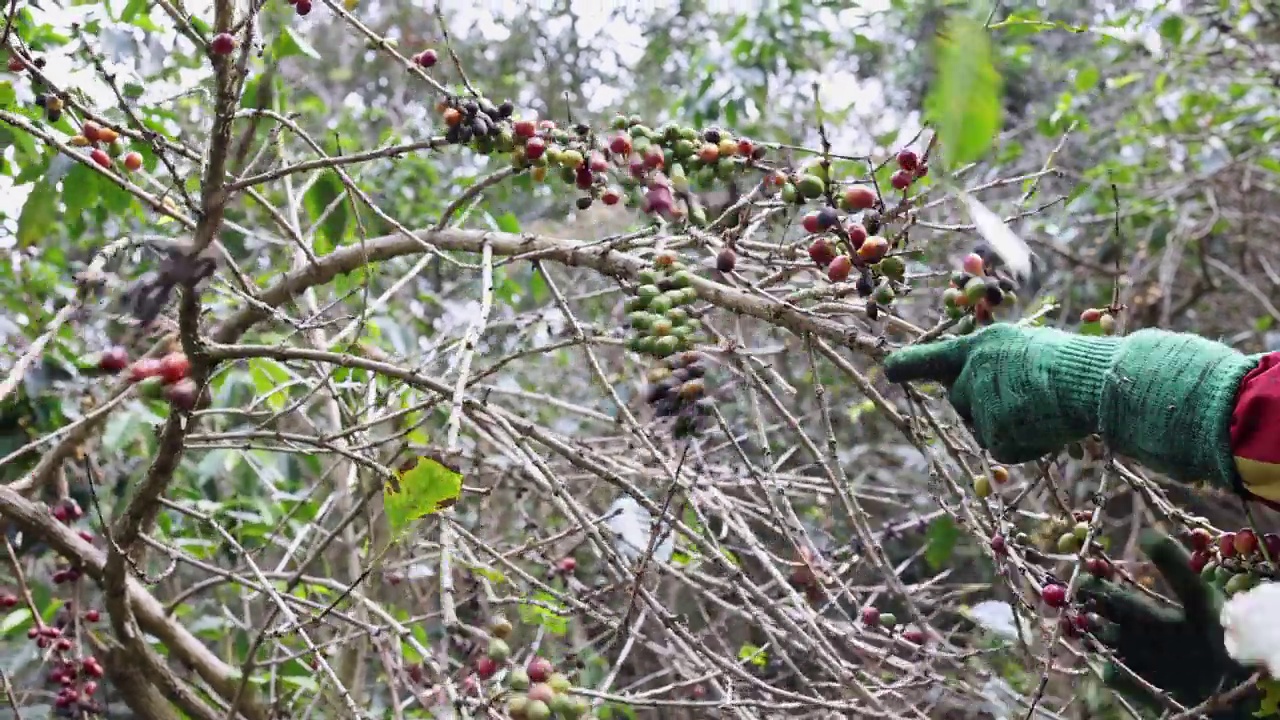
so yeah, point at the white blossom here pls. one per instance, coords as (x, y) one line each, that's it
(1251, 630)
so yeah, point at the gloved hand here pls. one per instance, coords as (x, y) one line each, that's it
(1178, 651)
(1164, 399)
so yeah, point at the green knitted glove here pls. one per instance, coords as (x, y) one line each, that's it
(1178, 651)
(1164, 399)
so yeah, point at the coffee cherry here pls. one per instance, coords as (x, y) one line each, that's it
(1227, 545)
(90, 131)
(810, 186)
(1199, 559)
(542, 692)
(537, 710)
(100, 157)
(182, 394)
(908, 161)
(1054, 595)
(913, 636)
(727, 260)
(893, 267)
(16, 64)
(746, 148)
(222, 44)
(859, 197)
(174, 367)
(839, 268)
(113, 360)
(1107, 323)
(999, 545)
(486, 667)
(901, 180)
(498, 650)
(811, 224)
(1246, 542)
(559, 683)
(144, 368)
(873, 249)
(525, 129)
(107, 136)
(567, 565)
(518, 679)
(427, 58)
(534, 148)
(870, 616)
(1092, 315)
(822, 252)
(827, 218)
(888, 620)
(999, 474)
(973, 264)
(92, 616)
(1098, 567)
(539, 669)
(981, 486)
(1271, 542)
(133, 161)
(1200, 539)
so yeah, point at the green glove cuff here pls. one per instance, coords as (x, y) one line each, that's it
(1167, 402)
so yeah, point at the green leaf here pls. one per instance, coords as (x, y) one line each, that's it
(132, 9)
(940, 541)
(269, 377)
(327, 189)
(1087, 79)
(544, 614)
(14, 620)
(1171, 28)
(424, 489)
(8, 96)
(753, 654)
(303, 682)
(290, 43)
(964, 102)
(38, 214)
(508, 223)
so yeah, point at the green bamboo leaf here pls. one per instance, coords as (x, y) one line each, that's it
(964, 102)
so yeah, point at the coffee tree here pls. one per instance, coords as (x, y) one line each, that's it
(349, 373)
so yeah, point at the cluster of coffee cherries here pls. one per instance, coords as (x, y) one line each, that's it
(476, 121)
(655, 166)
(538, 692)
(658, 314)
(655, 163)
(1235, 561)
(76, 678)
(842, 243)
(910, 169)
(678, 388)
(872, 617)
(1103, 317)
(50, 102)
(104, 145)
(164, 377)
(67, 511)
(974, 294)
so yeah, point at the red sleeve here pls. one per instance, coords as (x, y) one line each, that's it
(1255, 429)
